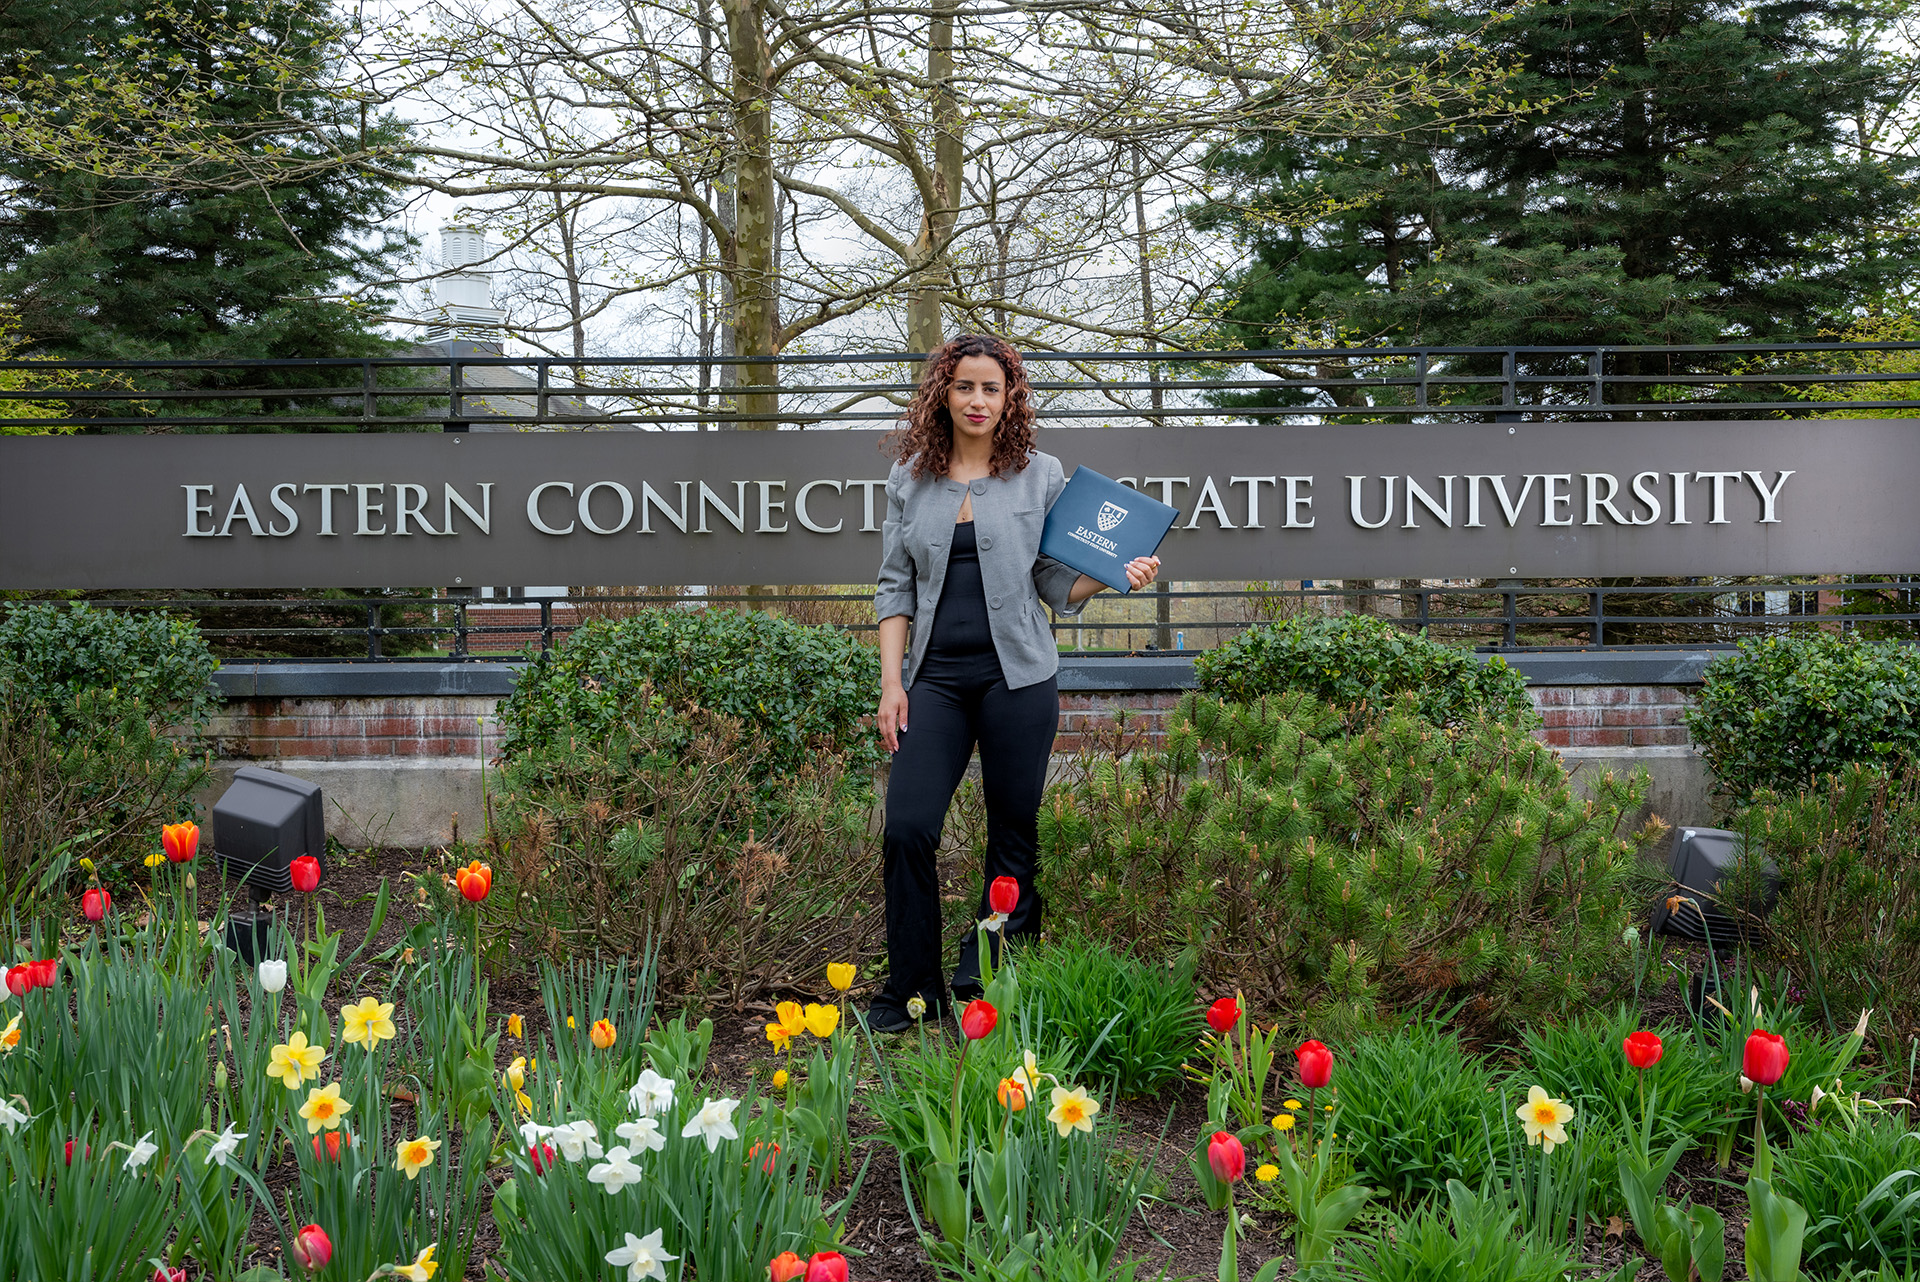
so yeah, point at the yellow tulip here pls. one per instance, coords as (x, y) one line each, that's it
(515, 1029)
(602, 1033)
(822, 1020)
(841, 975)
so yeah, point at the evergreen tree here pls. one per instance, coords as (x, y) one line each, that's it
(124, 269)
(1691, 174)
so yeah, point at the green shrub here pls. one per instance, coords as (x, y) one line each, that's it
(100, 715)
(799, 690)
(1335, 875)
(1783, 710)
(149, 663)
(1415, 1110)
(1859, 1187)
(655, 830)
(1080, 985)
(1358, 659)
(1848, 917)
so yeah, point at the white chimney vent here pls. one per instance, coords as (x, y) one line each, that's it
(464, 297)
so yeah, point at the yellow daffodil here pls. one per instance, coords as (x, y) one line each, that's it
(422, 1269)
(841, 975)
(1072, 1110)
(1283, 1122)
(367, 1020)
(1266, 1173)
(1545, 1119)
(294, 1061)
(779, 1079)
(516, 1075)
(515, 1029)
(822, 1020)
(1292, 1104)
(10, 1038)
(324, 1108)
(414, 1155)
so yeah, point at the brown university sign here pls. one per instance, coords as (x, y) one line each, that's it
(1466, 500)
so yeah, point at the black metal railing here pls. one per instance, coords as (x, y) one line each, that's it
(398, 626)
(470, 386)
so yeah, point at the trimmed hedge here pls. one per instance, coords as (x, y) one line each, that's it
(1785, 709)
(1355, 659)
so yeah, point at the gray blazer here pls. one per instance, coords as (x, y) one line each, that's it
(1008, 514)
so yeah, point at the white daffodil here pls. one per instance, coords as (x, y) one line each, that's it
(273, 975)
(995, 922)
(11, 1117)
(142, 1153)
(651, 1095)
(575, 1140)
(532, 1133)
(641, 1257)
(713, 1123)
(643, 1134)
(225, 1147)
(916, 1006)
(1029, 1074)
(616, 1172)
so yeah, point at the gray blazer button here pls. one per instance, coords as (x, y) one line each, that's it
(994, 602)
(986, 542)
(979, 487)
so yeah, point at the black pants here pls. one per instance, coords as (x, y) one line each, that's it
(954, 703)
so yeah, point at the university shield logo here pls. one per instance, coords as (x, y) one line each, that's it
(1110, 515)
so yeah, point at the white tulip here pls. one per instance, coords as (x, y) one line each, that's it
(273, 975)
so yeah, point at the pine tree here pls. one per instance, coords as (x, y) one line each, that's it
(124, 269)
(1691, 175)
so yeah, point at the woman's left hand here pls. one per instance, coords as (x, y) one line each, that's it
(1141, 571)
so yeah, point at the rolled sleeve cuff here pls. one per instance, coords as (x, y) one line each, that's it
(1054, 581)
(888, 604)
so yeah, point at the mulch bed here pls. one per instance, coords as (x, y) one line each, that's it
(1172, 1232)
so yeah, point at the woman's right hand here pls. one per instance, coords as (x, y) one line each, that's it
(893, 716)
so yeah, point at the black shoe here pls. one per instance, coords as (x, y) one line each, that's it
(886, 1018)
(966, 988)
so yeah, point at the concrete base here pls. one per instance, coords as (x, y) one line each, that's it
(415, 801)
(391, 802)
(1681, 790)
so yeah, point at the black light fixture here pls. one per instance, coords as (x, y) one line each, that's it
(265, 821)
(1701, 861)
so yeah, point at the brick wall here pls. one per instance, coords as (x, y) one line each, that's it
(262, 729)
(352, 728)
(1612, 716)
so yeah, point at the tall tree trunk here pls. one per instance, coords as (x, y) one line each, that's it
(941, 201)
(756, 218)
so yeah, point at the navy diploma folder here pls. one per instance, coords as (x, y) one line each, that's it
(1097, 525)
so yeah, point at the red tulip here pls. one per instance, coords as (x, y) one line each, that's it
(827, 1266)
(1227, 1158)
(786, 1266)
(20, 979)
(542, 1156)
(474, 881)
(1643, 1049)
(1003, 896)
(86, 1152)
(332, 1151)
(1766, 1059)
(305, 872)
(1316, 1064)
(312, 1248)
(95, 904)
(40, 973)
(772, 1151)
(1223, 1015)
(165, 1274)
(978, 1019)
(181, 841)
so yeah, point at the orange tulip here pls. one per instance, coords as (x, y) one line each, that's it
(602, 1034)
(1012, 1095)
(475, 881)
(181, 841)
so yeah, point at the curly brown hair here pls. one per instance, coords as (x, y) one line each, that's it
(926, 433)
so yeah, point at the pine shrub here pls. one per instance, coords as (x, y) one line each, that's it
(1338, 874)
(1357, 660)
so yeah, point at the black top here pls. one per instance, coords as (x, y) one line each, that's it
(960, 622)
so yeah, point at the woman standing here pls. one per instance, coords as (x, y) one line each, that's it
(962, 571)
